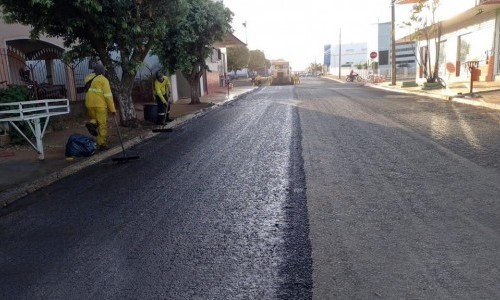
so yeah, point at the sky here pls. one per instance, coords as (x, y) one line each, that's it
(298, 30)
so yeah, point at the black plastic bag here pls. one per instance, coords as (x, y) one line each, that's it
(79, 145)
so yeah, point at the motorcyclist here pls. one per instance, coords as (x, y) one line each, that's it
(353, 75)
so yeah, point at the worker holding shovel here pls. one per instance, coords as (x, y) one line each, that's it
(99, 101)
(162, 95)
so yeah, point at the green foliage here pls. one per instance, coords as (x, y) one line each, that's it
(257, 60)
(16, 94)
(103, 29)
(359, 66)
(427, 29)
(315, 67)
(237, 58)
(268, 63)
(187, 44)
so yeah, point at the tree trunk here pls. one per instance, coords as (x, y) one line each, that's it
(195, 94)
(437, 41)
(126, 107)
(122, 94)
(194, 82)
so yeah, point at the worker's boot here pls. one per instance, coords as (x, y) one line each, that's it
(92, 128)
(167, 118)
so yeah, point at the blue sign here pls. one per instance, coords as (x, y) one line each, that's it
(326, 60)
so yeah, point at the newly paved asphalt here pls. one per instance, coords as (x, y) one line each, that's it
(322, 190)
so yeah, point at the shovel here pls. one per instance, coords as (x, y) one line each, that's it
(124, 157)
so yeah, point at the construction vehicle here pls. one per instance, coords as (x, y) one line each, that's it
(281, 72)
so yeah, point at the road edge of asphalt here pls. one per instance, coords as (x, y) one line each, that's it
(474, 102)
(12, 194)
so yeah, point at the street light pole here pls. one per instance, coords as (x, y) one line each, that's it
(246, 33)
(340, 53)
(393, 43)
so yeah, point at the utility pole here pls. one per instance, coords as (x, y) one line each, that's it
(340, 53)
(393, 43)
(246, 33)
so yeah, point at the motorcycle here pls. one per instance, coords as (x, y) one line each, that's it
(352, 78)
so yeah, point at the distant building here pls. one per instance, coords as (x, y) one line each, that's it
(355, 55)
(406, 61)
(351, 56)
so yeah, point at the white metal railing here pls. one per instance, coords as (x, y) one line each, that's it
(32, 112)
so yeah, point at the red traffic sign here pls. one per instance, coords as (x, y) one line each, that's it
(373, 55)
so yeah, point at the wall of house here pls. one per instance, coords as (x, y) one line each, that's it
(470, 40)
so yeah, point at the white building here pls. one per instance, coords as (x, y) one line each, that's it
(406, 62)
(351, 56)
(469, 32)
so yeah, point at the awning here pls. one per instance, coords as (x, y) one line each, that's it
(229, 41)
(459, 20)
(36, 49)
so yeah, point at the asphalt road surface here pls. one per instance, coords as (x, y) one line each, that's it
(322, 190)
(403, 195)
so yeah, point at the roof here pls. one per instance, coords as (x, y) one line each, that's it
(36, 49)
(229, 41)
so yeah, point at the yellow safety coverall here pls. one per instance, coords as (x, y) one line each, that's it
(162, 89)
(99, 100)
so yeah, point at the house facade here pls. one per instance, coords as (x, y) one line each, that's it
(24, 61)
(468, 34)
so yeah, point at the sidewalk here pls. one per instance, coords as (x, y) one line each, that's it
(485, 94)
(21, 172)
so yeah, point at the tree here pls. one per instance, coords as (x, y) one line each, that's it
(427, 29)
(257, 60)
(119, 33)
(186, 45)
(237, 58)
(314, 68)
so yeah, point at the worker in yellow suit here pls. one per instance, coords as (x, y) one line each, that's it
(296, 78)
(161, 88)
(99, 101)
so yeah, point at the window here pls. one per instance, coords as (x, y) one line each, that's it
(383, 58)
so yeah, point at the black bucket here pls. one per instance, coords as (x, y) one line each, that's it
(150, 112)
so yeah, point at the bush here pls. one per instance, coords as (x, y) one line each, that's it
(17, 93)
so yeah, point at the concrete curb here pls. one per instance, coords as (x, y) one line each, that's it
(424, 94)
(475, 102)
(478, 102)
(9, 196)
